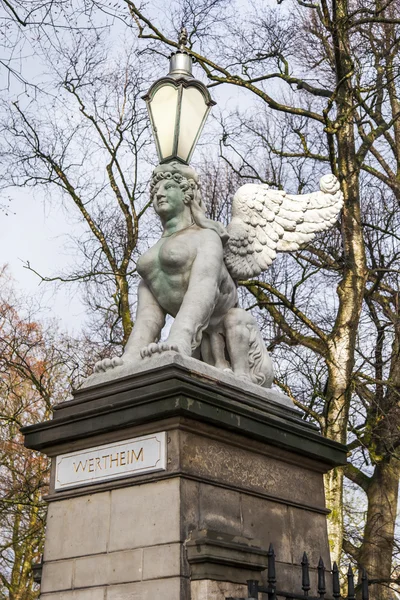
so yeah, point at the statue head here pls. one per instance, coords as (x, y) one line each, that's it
(184, 175)
(188, 181)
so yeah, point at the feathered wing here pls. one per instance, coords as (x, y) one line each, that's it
(267, 221)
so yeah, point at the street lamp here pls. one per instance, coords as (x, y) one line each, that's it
(178, 106)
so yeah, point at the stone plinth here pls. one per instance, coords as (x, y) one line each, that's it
(241, 471)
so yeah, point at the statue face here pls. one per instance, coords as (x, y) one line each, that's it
(168, 198)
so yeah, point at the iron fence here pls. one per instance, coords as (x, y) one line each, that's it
(272, 592)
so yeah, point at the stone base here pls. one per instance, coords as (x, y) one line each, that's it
(242, 472)
(169, 359)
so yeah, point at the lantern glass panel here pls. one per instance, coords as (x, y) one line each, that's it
(163, 107)
(193, 110)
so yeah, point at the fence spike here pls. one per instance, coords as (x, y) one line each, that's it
(321, 578)
(271, 573)
(351, 595)
(364, 586)
(252, 588)
(271, 566)
(305, 575)
(335, 581)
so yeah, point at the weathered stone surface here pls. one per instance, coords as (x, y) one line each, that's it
(145, 515)
(57, 576)
(90, 594)
(211, 499)
(165, 589)
(77, 526)
(216, 590)
(162, 561)
(269, 522)
(236, 466)
(173, 450)
(103, 569)
(190, 510)
(309, 534)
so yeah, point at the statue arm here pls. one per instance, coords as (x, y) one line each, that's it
(150, 319)
(201, 296)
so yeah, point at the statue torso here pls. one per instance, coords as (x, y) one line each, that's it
(166, 268)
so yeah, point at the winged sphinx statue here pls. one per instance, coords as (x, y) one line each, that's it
(191, 272)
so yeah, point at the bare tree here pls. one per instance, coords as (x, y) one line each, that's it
(84, 149)
(29, 25)
(32, 378)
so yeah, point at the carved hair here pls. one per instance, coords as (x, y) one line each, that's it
(192, 197)
(188, 186)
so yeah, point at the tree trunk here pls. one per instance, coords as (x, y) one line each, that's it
(378, 539)
(342, 341)
(124, 309)
(377, 547)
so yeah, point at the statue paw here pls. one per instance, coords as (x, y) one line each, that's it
(107, 363)
(154, 348)
(243, 377)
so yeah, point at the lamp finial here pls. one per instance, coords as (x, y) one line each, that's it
(183, 38)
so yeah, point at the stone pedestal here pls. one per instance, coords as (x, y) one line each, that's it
(241, 471)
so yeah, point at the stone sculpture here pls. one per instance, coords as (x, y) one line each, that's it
(191, 272)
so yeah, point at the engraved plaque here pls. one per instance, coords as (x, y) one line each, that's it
(135, 456)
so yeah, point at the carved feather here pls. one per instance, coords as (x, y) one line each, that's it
(267, 221)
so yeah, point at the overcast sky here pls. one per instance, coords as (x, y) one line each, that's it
(35, 232)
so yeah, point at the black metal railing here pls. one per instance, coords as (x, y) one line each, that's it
(273, 593)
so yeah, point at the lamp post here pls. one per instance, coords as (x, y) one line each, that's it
(178, 106)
